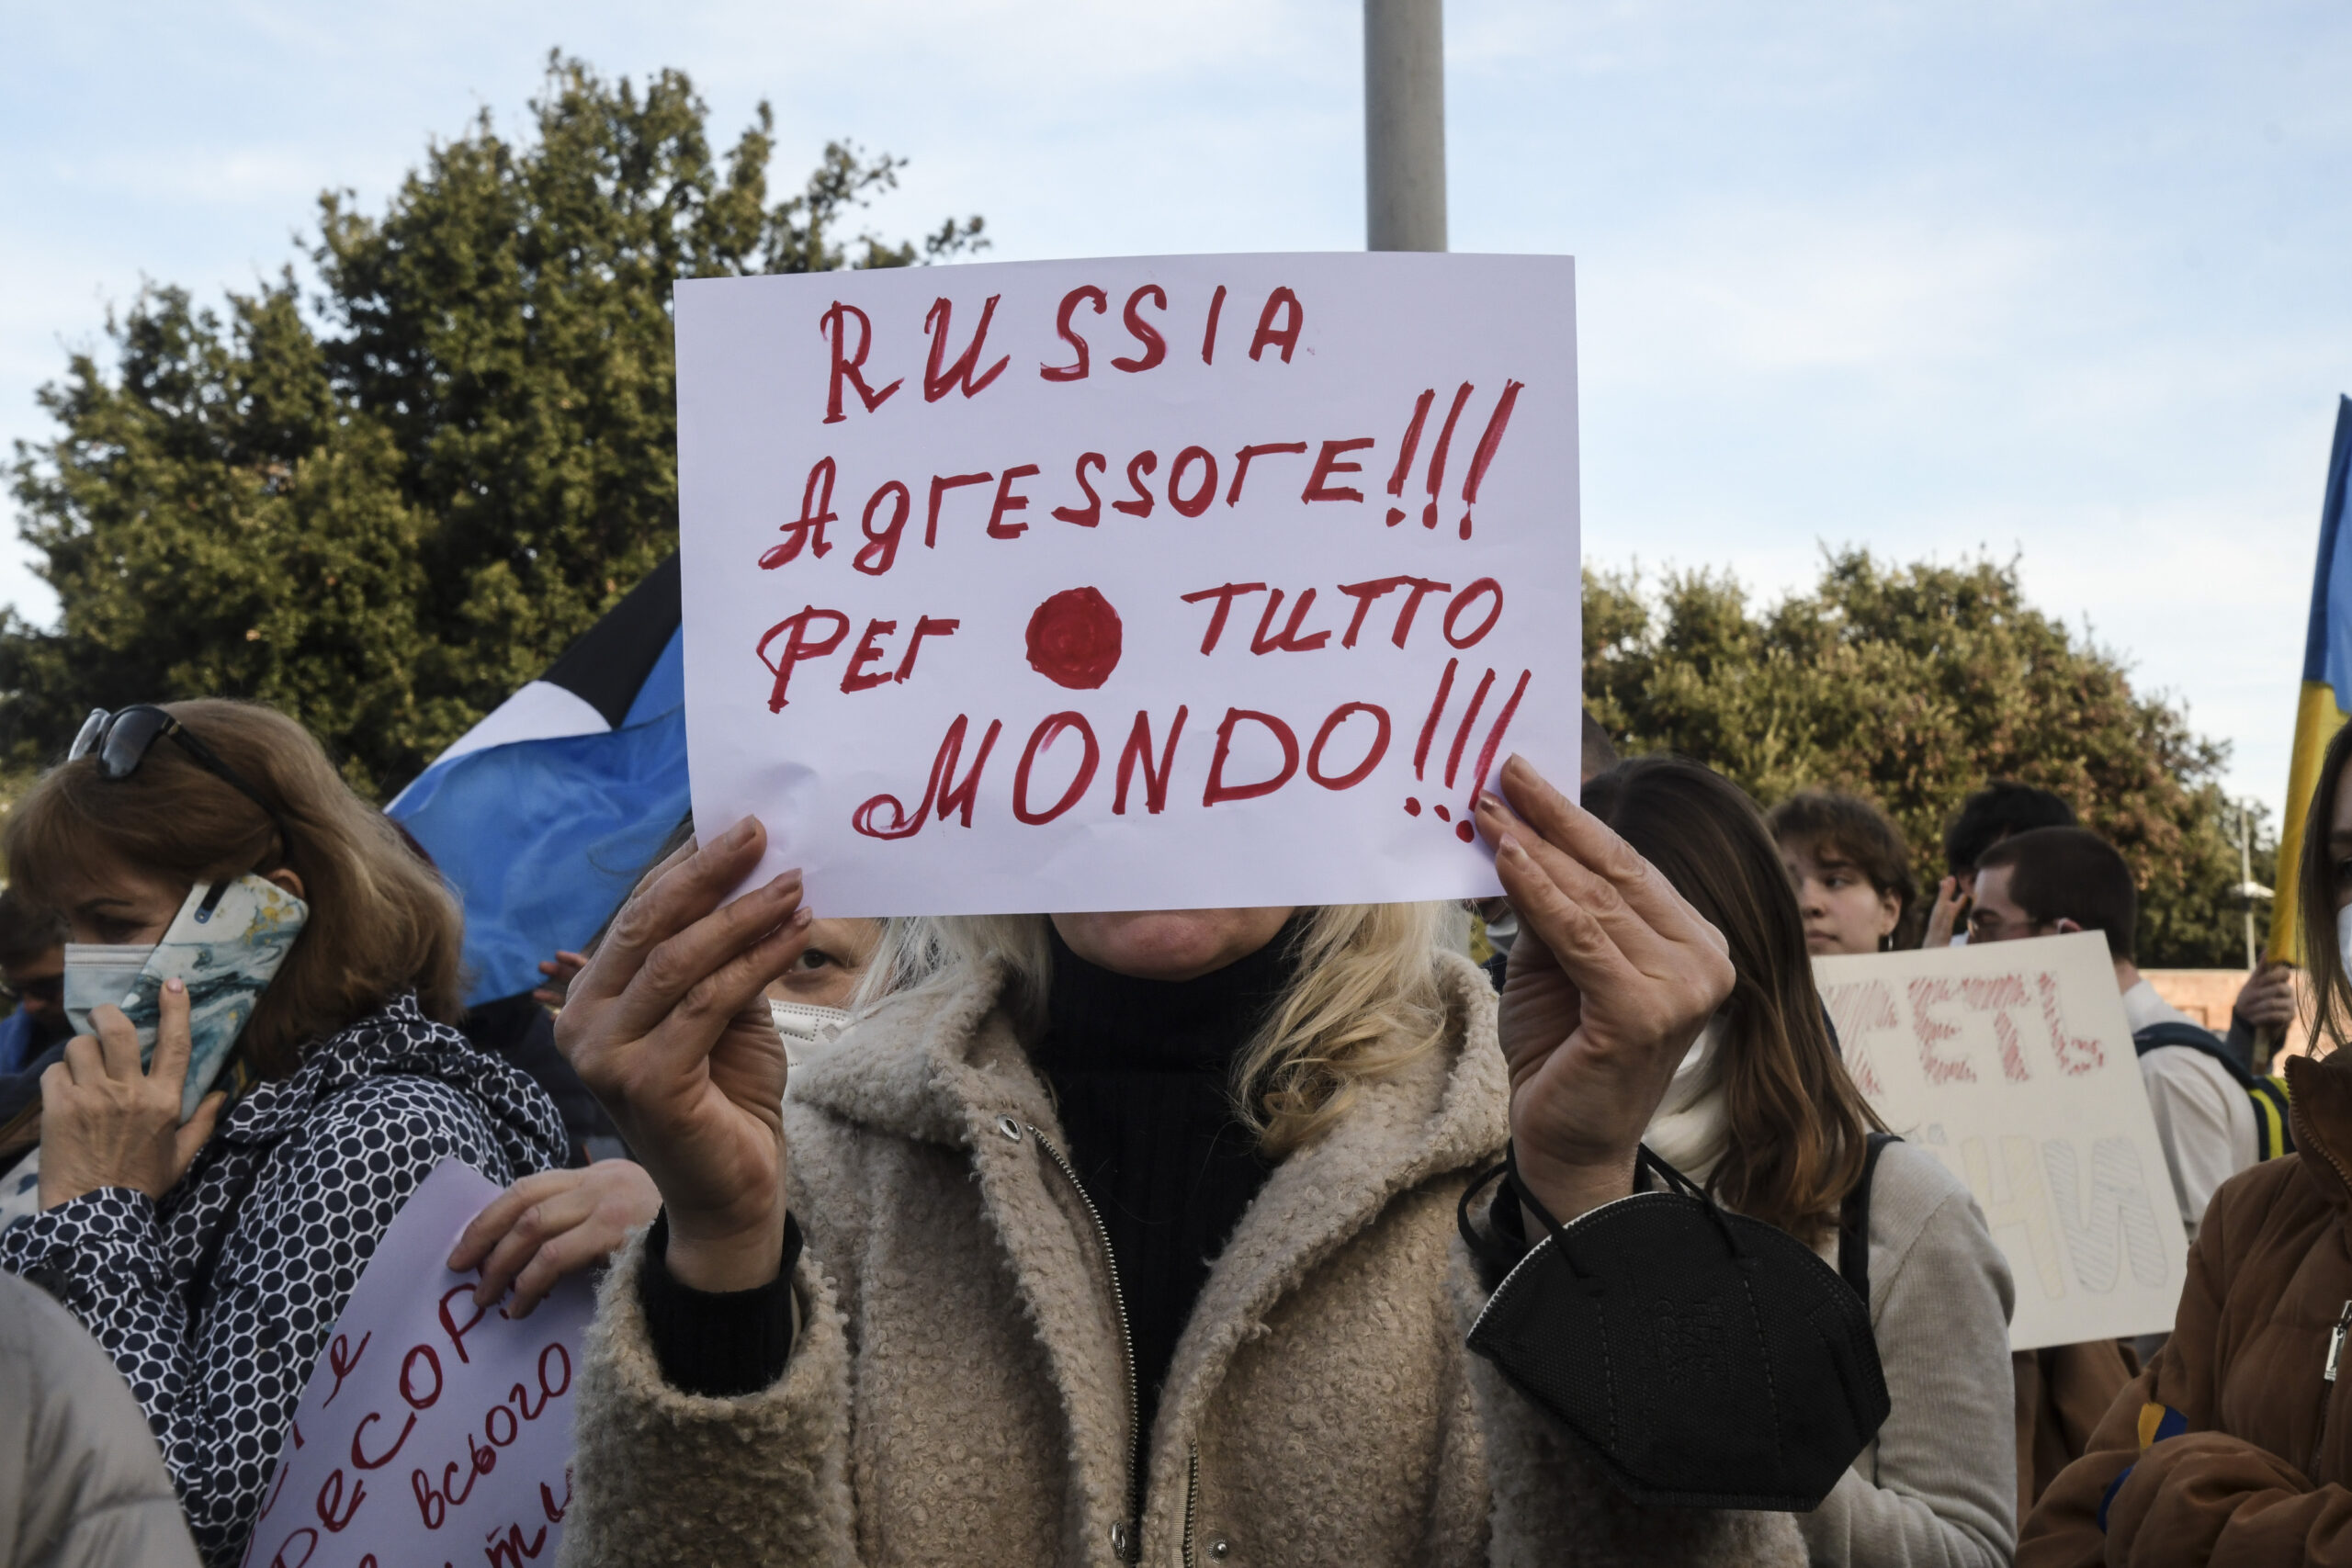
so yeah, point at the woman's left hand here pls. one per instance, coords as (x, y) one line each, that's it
(1612, 977)
(551, 1224)
(107, 1123)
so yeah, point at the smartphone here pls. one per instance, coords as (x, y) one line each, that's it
(225, 945)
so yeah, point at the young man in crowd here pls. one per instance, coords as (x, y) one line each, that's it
(1991, 815)
(2068, 879)
(32, 964)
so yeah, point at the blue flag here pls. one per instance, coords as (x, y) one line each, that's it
(543, 814)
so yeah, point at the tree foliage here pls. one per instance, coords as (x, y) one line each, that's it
(1912, 686)
(385, 507)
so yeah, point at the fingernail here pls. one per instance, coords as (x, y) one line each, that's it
(800, 916)
(785, 881)
(1508, 845)
(175, 986)
(739, 834)
(1490, 801)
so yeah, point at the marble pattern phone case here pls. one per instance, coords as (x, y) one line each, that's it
(226, 944)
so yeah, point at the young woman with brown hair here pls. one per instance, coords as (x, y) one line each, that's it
(1762, 1114)
(1852, 873)
(211, 1258)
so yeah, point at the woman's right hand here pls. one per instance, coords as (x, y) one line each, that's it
(669, 1028)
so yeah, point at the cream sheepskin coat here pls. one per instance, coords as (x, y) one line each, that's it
(960, 1390)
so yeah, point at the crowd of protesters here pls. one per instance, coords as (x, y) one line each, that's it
(1148, 1236)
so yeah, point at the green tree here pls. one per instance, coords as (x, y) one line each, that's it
(385, 507)
(1913, 686)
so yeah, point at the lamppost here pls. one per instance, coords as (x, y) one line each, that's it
(1403, 125)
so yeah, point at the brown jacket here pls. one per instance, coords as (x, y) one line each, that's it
(959, 1393)
(2261, 1472)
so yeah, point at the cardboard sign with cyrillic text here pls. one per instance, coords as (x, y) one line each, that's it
(432, 1431)
(2012, 1062)
(1136, 583)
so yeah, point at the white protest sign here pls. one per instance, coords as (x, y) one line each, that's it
(432, 1431)
(1136, 583)
(2012, 1062)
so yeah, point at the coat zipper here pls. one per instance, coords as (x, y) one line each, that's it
(1133, 1548)
(1190, 1501)
(2328, 1382)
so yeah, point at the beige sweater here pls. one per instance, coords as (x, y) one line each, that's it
(959, 1391)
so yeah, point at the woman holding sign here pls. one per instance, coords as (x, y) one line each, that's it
(949, 1302)
(211, 1253)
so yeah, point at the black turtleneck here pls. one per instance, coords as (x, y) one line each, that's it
(1142, 1074)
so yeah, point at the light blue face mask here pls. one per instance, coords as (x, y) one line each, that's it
(2344, 936)
(95, 976)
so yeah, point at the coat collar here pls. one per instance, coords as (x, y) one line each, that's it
(943, 1065)
(397, 1038)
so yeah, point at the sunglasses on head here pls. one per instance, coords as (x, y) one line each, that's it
(121, 742)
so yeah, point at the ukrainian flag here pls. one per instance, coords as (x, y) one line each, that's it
(2327, 682)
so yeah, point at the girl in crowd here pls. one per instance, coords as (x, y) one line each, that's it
(211, 1259)
(1852, 873)
(1762, 1114)
(1004, 1341)
(2229, 1448)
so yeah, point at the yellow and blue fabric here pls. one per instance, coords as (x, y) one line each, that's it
(2157, 1422)
(2327, 682)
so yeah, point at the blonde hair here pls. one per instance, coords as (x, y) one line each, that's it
(380, 921)
(1363, 1003)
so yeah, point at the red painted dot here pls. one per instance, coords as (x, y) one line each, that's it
(1464, 831)
(1412, 806)
(1074, 639)
(1443, 814)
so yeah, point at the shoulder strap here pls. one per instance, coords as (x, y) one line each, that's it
(1854, 1222)
(2172, 1031)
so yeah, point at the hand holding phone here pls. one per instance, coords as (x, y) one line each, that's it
(225, 945)
(107, 1121)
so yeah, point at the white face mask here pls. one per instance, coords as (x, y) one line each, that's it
(805, 1026)
(95, 976)
(2344, 936)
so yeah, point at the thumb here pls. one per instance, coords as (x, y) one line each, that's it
(195, 1132)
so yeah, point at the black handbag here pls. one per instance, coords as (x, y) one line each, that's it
(1701, 1359)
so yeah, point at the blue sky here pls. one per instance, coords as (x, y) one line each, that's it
(2068, 283)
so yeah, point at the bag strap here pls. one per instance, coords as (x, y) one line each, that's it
(2172, 1031)
(1854, 1221)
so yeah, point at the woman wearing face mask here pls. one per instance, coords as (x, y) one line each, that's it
(558, 1222)
(2235, 1443)
(211, 1259)
(1852, 873)
(1128, 1236)
(1763, 1115)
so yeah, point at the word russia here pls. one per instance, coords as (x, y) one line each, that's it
(1138, 584)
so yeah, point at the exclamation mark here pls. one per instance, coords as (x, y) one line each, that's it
(1436, 458)
(1405, 453)
(1462, 735)
(1429, 731)
(1496, 423)
(1494, 744)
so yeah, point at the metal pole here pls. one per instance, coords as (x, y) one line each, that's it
(1403, 125)
(2245, 879)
